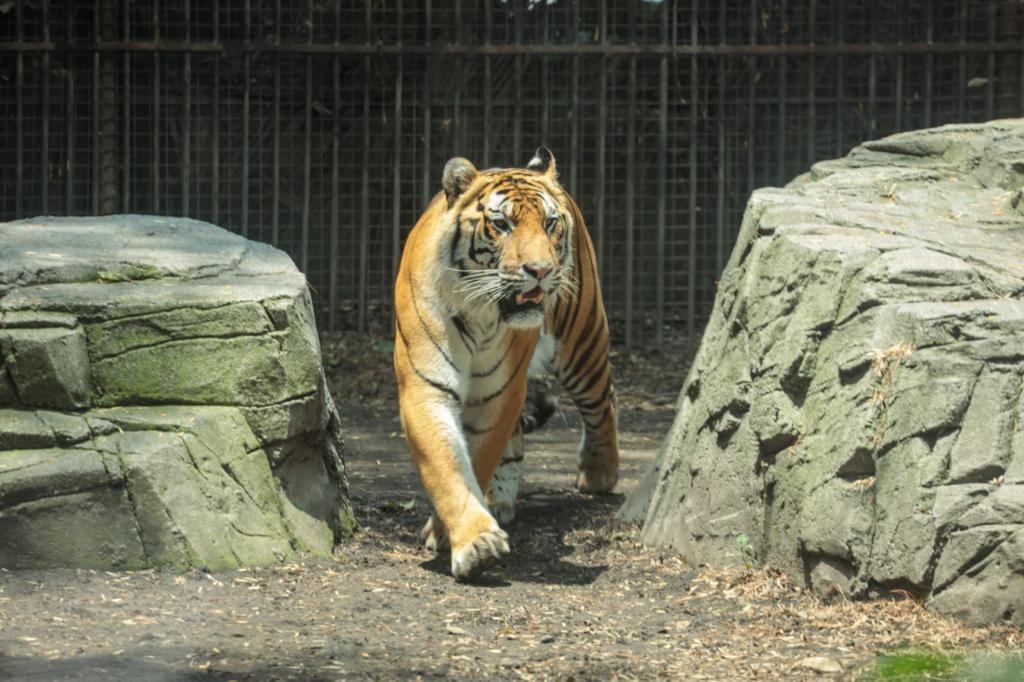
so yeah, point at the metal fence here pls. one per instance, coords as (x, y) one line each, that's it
(322, 126)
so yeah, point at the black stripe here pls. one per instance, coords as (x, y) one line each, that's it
(495, 368)
(578, 300)
(436, 384)
(508, 381)
(455, 245)
(583, 334)
(586, 336)
(464, 333)
(430, 334)
(582, 371)
(433, 383)
(474, 251)
(578, 272)
(595, 426)
(589, 405)
(589, 378)
(570, 322)
(494, 332)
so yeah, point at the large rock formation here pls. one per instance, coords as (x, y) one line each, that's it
(855, 414)
(161, 399)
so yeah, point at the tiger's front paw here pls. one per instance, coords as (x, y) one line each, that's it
(596, 480)
(469, 560)
(433, 534)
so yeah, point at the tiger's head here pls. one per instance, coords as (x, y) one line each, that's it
(511, 250)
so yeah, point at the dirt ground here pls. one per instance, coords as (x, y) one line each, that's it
(578, 599)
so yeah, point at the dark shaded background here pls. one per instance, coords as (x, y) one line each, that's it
(322, 126)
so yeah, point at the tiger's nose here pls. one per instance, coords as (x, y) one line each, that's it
(537, 270)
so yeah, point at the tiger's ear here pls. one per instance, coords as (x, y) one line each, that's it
(543, 161)
(458, 175)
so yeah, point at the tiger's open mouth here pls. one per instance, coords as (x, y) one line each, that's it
(523, 302)
(534, 295)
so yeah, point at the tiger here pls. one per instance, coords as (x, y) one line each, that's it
(497, 282)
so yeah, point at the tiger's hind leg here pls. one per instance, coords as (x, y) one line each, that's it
(501, 496)
(599, 447)
(585, 372)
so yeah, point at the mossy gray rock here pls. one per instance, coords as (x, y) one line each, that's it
(162, 401)
(855, 414)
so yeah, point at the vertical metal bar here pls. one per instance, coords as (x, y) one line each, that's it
(631, 142)
(1020, 83)
(574, 123)
(990, 84)
(812, 78)
(126, 120)
(659, 275)
(364, 226)
(396, 169)
(97, 115)
(545, 79)
(45, 136)
(19, 119)
(275, 189)
(1011, 66)
(691, 275)
(752, 102)
(186, 120)
(630, 196)
(720, 238)
(108, 105)
(332, 305)
(154, 151)
(780, 141)
(307, 159)
(517, 116)
(872, 85)
(457, 11)
(898, 123)
(215, 124)
(308, 148)
(246, 95)
(457, 77)
(840, 22)
(898, 119)
(427, 115)
(929, 62)
(961, 102)
(69, 168)
(488, 85)
(602, 130)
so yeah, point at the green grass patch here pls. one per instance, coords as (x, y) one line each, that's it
(917, 665)
(940, 665)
